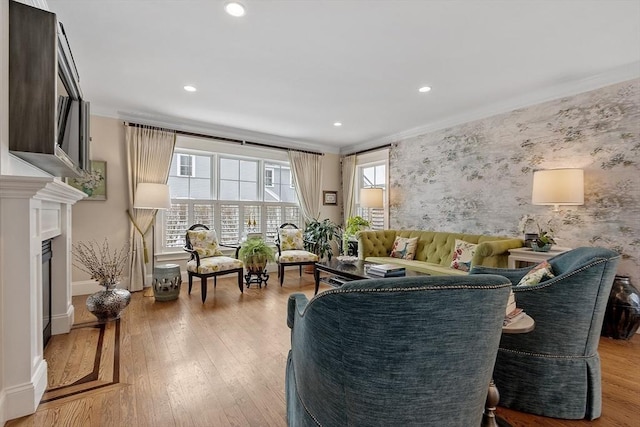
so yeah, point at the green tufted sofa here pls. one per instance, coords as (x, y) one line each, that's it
(435, 249)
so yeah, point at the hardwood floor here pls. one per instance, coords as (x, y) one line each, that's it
(222, 363)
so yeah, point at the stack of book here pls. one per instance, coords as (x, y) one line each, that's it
(386, 270)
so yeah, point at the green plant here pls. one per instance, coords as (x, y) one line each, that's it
(354, 224)
(318, 236)
(255, 254)
(545, 237)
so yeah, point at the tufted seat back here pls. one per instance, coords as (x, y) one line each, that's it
(433, 246)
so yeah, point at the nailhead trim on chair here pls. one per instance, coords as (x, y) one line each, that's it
(547, 356)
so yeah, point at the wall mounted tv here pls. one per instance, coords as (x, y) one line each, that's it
(48, 117)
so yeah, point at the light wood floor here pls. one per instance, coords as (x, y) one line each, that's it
(222, 363)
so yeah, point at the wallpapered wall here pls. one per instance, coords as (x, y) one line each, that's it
(477, 177)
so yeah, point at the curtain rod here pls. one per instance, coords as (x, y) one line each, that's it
(370, 149)
(223, 139)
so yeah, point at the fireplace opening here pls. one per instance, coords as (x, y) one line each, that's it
(46, 291)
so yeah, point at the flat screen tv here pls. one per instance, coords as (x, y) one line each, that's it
(48, 117)
(72, 113)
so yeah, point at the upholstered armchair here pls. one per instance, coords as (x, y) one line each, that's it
(290, 244)
(410, 351)
(207, 260)
(555, 370)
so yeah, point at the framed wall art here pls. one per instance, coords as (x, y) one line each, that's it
(94, 182)
(329, 197)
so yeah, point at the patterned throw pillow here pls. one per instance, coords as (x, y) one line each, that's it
(537, 274)
(205, 242)
(462, 255)
(291, 239)
(404, 247)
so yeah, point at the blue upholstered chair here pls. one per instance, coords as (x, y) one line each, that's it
(555, 370)
(394, 352)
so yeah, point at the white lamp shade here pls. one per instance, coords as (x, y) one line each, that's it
(371, 198)
(558, 187)
(152, 196)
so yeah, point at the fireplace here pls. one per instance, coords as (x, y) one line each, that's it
(46, 291)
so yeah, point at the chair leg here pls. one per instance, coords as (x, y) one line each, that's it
(281, 273)
(215, 281)
(203, 288)
(190, 282)
(240, 282)
(300, 270)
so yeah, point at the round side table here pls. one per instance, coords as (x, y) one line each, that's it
(166, 282)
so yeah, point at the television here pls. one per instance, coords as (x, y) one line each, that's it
(73, 114)
(48, 116)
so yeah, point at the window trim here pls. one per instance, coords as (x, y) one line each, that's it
(273, 173)
(192, 166)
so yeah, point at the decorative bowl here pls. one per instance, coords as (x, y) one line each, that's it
(347, 259)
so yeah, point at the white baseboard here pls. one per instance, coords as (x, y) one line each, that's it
(3, 418)
(85, 287)
(62, 323)
(24, 399)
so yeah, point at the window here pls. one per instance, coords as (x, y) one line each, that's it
(224, 193)
(238, 179)
(372, 175)
(185, 165)
(268, 177)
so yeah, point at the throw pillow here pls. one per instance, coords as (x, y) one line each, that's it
(205, 242)
(404, 247)
(462, 255)
(537, 274)
(291, 239)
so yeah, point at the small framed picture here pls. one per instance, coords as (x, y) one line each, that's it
(94, 182)
(329, 197)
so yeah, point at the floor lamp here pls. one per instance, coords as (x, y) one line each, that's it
(152, 196)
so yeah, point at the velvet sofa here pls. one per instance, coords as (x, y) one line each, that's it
(435, 249)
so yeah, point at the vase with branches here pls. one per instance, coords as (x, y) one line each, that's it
(106, 266)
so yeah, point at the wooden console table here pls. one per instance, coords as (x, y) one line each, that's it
(528, 256)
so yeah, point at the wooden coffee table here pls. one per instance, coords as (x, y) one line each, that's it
(343, 272)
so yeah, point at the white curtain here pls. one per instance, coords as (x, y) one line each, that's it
(306, 169)
(348, 186)
(149, 154)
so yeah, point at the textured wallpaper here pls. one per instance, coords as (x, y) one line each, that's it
(477, 177)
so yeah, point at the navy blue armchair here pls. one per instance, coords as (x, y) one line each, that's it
(555, 370)
(394, 352)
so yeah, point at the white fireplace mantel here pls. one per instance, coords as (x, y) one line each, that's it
(32, 209)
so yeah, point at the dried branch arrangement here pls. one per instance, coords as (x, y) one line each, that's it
(103, 264)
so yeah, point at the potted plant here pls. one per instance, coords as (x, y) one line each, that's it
(544, 241)
(255, 254)
(354, 224)
(318, 236)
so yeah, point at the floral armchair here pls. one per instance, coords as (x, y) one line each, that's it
(290, 244)
(207, 259)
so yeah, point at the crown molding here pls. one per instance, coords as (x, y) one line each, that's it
(194, 126)
(617, 75)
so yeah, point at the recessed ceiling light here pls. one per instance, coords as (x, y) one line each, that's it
(234, 9)
(424, 89)
(337, 124)
(190, 88)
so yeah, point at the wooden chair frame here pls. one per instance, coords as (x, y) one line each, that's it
(281, 265)
(203, 277)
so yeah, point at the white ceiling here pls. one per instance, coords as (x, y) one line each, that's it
(289, 69)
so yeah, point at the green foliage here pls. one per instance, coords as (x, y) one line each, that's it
(256, 251)
(318, 236)
(355, 224)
